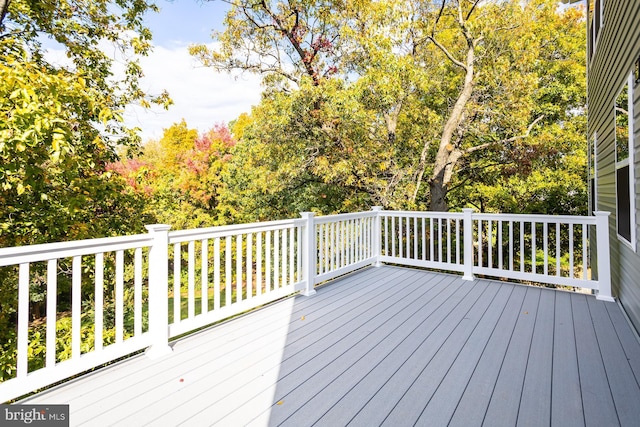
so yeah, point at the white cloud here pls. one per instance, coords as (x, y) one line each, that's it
(202, 96)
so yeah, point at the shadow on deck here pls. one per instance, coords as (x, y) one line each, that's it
(384, 346)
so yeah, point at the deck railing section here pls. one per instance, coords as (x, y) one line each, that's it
(99, 285)
(344, 243)
(124, 294)
(547, 249)
(423, 239)
(221, 271)
(538, 248)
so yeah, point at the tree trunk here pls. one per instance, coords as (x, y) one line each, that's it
(4, 8)
(448, 155)
(438, 193)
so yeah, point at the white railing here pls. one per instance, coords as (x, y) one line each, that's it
(423, 239)
(344, 243)
(143, 290)
(547, 249)
(228, 270)
(537, 248)
(94, 266)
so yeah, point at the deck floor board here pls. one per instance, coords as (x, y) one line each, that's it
(384, 346)
(535, 400)
(565, 380)
(474, 401)
(505, 399)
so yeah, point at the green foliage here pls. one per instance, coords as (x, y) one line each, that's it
(285, 41)
(180, 176)
(364, 102)
(372, 131)
(60, 125)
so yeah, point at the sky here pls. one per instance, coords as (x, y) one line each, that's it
(202, 96)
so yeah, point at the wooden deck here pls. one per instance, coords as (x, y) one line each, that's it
(385, 346)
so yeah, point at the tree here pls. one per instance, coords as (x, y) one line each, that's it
(477, 39)
(180, 176)
(451, 85)
(352, 124)
(60, 126)
(283, 41)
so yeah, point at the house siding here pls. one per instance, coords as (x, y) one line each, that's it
(617, 48)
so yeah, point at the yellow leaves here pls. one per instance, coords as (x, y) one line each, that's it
(57, 139)
(15, 94)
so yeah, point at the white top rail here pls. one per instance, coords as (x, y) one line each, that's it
(231, 230)
(423, 214)
(343, 217)
(49, 251)
(564, 219)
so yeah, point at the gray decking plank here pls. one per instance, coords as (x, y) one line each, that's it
(442, 405)
(382, 341)
(120, 384)
(176, 382)
(385, 399)
(141, 369)
(313, 394)
(347, 393)
(599, 409)
(305, 362)
(505, 399)
(338, 312)
(421, 387)
(623, 384)
(214, 398)
(628, 340)
(565, 378)
(172, 396)
(474, 402)
(346, 289)
(535, 403)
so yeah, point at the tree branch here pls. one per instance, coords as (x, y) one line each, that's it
(503, 141)
(475, 3)
(447, 53)
(438, 17)
(465, 31)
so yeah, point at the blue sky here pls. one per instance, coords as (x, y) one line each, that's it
(202, 96)
(186, 21)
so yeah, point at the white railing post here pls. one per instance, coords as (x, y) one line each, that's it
(309, 253)
(468, 243)
(603, 253)
(377, 232)
(159, 291)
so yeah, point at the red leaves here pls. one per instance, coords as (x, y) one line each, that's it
(321, 44)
